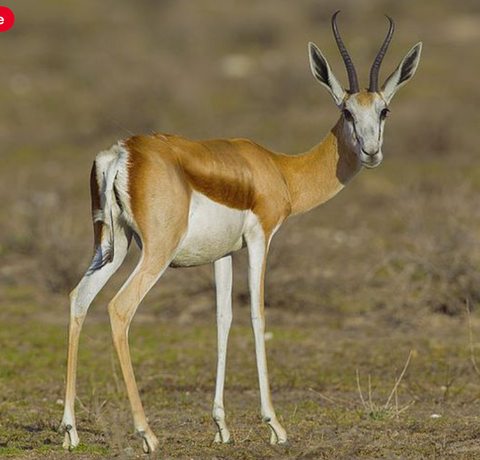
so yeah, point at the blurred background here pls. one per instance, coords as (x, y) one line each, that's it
(385, 268)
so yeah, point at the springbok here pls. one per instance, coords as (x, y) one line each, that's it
(189, 203)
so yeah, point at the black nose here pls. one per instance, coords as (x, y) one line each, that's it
(369, 154)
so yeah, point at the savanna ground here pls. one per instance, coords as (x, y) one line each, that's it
(380, 275)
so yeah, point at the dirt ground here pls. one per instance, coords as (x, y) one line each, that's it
(372, 300)
(314, 359)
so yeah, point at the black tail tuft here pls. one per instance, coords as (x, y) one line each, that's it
(102, 257)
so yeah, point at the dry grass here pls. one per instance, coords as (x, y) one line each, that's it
(391, 407)
(383, 269)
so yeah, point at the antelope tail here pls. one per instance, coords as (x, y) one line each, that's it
(108, 212)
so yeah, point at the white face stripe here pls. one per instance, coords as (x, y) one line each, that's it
(365, 131)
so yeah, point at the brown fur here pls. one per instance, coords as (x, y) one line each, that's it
(318, 175)
(237, 173)
(365, 98)
(154, 177)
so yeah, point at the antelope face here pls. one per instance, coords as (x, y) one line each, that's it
(364, 115)
(364, 111)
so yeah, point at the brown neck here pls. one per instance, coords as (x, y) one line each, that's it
(318, 175)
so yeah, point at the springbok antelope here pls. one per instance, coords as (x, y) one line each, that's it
(188, 203)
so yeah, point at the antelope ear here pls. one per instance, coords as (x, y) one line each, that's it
(403, 73)
(322, 72)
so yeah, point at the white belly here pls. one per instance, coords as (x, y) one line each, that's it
(213, 231)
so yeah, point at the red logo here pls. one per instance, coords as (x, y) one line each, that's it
(7, 18)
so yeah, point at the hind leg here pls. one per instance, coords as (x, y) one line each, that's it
(157, 255)
(80, 299)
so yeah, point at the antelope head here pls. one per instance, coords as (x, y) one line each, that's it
(364, 110)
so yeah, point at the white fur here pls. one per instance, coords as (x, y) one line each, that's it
(365, 133)
(257, 253)
(213, 231)
(114, 163)
(392, 84)
(331, 83)
(223, 284)
(80, 300)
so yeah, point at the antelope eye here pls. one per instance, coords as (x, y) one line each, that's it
(384, 113)
(348, 115)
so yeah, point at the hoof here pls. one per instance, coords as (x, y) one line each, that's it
(278, 435)
(283, 444)
(149, 441)
(71, 439)
(223, 437)
(280, 442)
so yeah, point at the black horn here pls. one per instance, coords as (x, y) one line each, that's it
(375, 70)
(352, 73)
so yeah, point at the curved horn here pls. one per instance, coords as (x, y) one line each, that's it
(375, 70)
(352, 74)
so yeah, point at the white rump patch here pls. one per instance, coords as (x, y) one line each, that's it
(112, 171)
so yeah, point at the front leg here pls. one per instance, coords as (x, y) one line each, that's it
(257, 243)
(223, 284)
